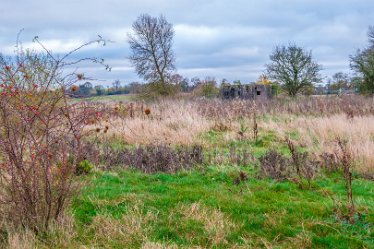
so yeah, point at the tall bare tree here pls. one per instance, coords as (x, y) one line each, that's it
(151, 46)
(293, 67)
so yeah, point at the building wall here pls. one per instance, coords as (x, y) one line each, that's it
(252, 91)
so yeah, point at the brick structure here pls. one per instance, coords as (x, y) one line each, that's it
(248, 91)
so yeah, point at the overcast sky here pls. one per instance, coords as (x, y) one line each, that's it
(224, 39)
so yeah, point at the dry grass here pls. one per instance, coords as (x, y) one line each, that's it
(317, 121)
(153, 245)
(320, 134)
(21, 240)
(60, 235)
(130, 229)
(171, 122)
(216, 224)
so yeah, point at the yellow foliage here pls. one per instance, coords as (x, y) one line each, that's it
(263, 80)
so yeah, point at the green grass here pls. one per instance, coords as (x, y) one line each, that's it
(205, 208)
(215, 141)
(107, 98)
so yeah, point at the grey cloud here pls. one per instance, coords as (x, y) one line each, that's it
(231, 39)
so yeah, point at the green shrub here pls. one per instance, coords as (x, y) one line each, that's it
(154, 90)
(83, 168)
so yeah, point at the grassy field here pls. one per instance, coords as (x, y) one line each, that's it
(223, 201)
(205, 209)
(106, 98)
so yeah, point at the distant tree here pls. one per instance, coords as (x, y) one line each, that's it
(195, 81)
(151, 46)
(135, 87)
(116, 87)
(207, 88)
(184, 86)
(116, 84)
(181, 82)
(210, 80)
(356, 82)
(340, 81)
(294, 68)
(176, 78)
(340, 77)
(100, 90)
(225, 81)
(237, 82)
(363, 63)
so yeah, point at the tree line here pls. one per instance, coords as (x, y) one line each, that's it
(291, 66)
(208, 87)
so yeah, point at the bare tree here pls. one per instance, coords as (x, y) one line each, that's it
(116, 84)
(151, 45)
(340, 81)
(294, 68)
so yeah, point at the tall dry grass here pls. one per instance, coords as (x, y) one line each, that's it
(61, 234)
(319, 134)
(313, 106)
(176, 122)
(317, 121)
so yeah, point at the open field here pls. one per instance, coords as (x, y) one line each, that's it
(204, 209)
(106, 98)
(199, 174)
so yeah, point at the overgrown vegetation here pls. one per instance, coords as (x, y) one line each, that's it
(40, 138)
(153, 158)
(192, 172)
(229, 177)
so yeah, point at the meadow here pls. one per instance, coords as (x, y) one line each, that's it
(207, 173)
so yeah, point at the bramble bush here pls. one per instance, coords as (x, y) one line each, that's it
(40, 135)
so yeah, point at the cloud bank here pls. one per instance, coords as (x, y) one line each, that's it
(225, 39)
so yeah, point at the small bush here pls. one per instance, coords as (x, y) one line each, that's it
(345, 159)
(154, 90)
(275, 166)
(83, 168)
(206, 89)
(279, 167)
(304, 166)
(329, 162)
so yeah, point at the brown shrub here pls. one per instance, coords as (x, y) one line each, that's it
(275, 166)
(40, 139)
(154, 158)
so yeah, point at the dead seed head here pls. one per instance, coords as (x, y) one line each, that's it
(74, 88)
(80, 76)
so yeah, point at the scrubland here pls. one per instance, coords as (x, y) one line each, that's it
(312, 123)
(208, 173)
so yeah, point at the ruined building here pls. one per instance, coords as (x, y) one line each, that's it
(248, 91)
